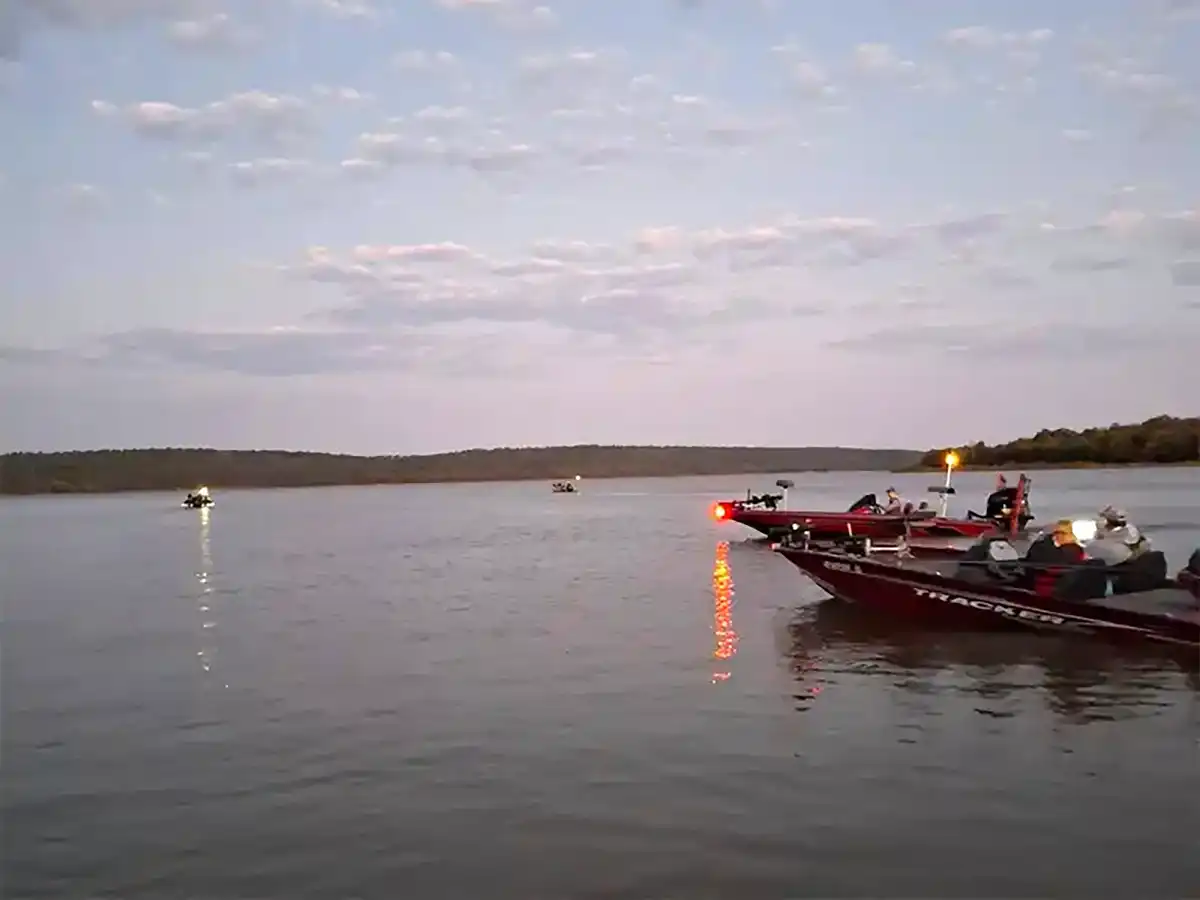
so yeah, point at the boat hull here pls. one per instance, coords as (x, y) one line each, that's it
(929, 595)
(829, 525)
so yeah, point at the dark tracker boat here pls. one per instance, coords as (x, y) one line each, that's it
(1007, 509)
(1144, 604)
(564, 487)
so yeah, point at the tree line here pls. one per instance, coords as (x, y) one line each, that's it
(98, 471)
(1159, 440)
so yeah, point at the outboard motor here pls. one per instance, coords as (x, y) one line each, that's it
(1000, 503)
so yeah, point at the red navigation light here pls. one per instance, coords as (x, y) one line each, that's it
(720, 512)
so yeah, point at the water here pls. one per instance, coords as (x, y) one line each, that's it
(493, 691)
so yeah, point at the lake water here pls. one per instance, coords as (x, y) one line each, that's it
(493, 691)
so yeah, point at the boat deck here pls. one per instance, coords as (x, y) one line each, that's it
(1173, 602)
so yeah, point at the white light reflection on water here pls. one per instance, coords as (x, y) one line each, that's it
(204, 596)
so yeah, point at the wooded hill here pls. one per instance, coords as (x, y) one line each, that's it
(97, 471)
(1160, 440)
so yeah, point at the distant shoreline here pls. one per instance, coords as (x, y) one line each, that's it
(1047, 466)
(466, 480)
(179, 469)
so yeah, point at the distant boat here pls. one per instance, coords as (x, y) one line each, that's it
(565, 487)
(198, 499)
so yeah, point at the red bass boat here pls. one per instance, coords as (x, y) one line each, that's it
(1007, 510)
(1133, 601)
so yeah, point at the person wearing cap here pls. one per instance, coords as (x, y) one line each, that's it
(1063, 537)
(895, 504)
(1117, 539)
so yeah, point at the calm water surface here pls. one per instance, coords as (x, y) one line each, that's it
(493, 691)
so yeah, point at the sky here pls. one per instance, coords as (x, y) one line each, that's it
(422, 225)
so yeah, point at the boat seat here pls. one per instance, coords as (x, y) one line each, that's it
(1143, 572)
(989, 560)
(867, 503)
(1086, 581)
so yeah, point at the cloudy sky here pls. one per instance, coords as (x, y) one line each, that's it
(415, 225)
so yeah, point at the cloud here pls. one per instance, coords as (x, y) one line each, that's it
(573, 286)
(1045, 341)
(1173, 234)
(810, 80)
(393, 306)
(1182, 10)
(425, 60)
(1185, 273)
(970, 228)
(1005, 277)
(1091, 264)
(83, 198)
(1168, 105)
(363, 169)
(982, 37)
(1180, 231)
(568, 77)
(451, 144)
(10, 70)
(346, 95)
(19, 16)
(217, 33)
(515, 14)
(282, 352)
(255, 172)
(346, 10)
(594, 116)
(881, 60)
(665, 280)
(1078, 135)
(252, 114)
(440, 116)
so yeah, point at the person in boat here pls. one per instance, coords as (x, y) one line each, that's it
(1050, 553)
(1057, 547)
(1115, 527)
(895, 503)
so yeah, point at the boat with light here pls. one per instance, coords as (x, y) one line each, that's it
(198, 499)
(1007, 509)
(993, 586)
(565, 487)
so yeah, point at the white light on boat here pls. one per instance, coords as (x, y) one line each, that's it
(202, 492)
(1084, 530)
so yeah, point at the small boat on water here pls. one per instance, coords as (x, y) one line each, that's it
(992, 585)
(1007, 509)
(565, 487)
(198, 499)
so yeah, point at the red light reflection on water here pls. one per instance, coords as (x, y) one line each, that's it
(726, 637)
